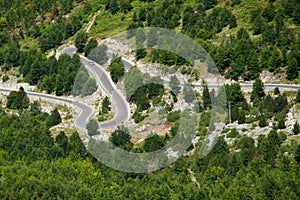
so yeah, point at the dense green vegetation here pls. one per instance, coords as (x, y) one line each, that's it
(35, 164)
(244, 37)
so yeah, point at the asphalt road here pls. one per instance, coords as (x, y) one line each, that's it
(119, 103)
(85, 110)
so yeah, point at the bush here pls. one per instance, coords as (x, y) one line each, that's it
(138, 117)
(233, 133)
(262, 122)
(173, 116)
(54, 119)
(5, 78)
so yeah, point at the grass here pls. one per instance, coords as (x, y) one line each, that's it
(108, 25)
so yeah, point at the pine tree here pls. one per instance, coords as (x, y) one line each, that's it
(54, 118)
(292, 70)
(262, 121)
(206, 97)
(296, 128)
(242, 117)
(175, 85)
(92, 127)
(257, 90)
(80, 41)
(298, 97)
(281, 123)
(276, 91)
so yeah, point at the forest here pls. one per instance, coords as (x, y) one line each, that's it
(244, 37)
(35, 164)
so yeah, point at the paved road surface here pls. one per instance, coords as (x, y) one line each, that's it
(85, 110)
(120, 105)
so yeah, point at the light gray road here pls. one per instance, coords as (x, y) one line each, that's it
(119, 103)
(85, 110)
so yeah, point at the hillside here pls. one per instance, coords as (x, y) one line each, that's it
(257, 154)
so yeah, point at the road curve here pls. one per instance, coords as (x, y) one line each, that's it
(81, 119)
(119, 103)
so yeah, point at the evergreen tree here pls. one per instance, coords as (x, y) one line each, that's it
(298, 97)
(258, 25)
(18, 100)
(242, 117)
(206, 97)
(281, 123)
(262, 121)
(276, 91)
(80, 41)
(296, 128)
(62, 140)
(188, 94)
(106, 105)
(292, 70)
(92, 127)
(257, 90)
(54, 118)
(99, 55)
(153, 143)
(116, 69)
(121, 138)
(175, 85)
(92, 44)
(114, 7)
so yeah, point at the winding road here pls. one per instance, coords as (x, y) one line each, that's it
(119, 103)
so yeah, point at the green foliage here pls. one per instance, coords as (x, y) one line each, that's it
(188, 93)
(80, 41)
(281, 123)
(18, 100)
(173, 116)
(116, 69)
(138, 117)
(36, 165)
(292, 70)
(92, 127)
(175, 85)
(296, 129)
(276, 91)
(53, 34)
(35, 108)
(54, 118)
(258, 90)
(234, 93)
(298, 97)
(84, 85)
(98, 54)
(233, 133)
(5, 78)
(153, 143)
(92, 44)
(242, 117)
(297, 154)
(121, 138)
(50, 74)
(206, 97)
(106, 106)
(262, 121)
(142, 90)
